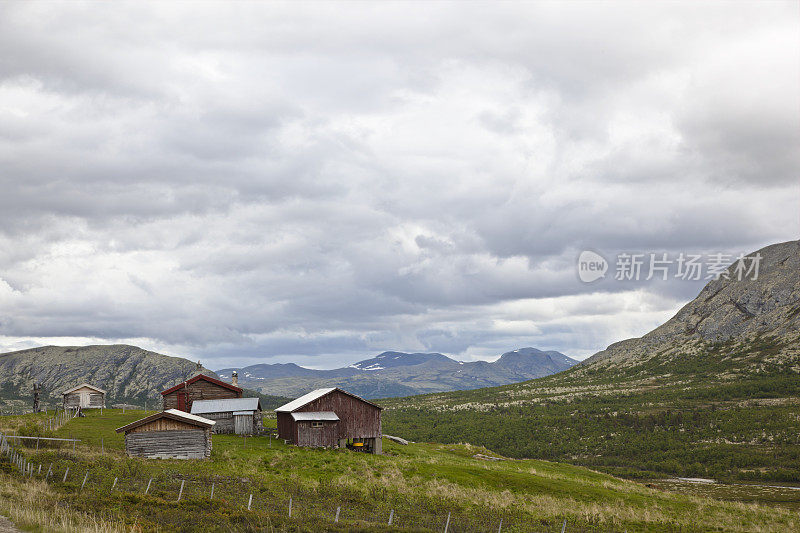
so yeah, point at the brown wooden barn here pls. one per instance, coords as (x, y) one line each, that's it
(170, 434)
(331, 418)
(84, 396)
(199, 387)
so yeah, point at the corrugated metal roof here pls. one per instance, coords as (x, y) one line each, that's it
(304, 399)
(223, 406)
(315, 416)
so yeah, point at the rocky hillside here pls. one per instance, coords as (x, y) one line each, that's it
(128, 374)
(727, 310)
(403, 374)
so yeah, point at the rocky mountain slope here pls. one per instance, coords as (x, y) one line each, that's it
(127, 373)
(714, 393)
(727, 309)
(403, 374)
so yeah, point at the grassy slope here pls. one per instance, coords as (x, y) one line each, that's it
(726, 411)
(421, 482)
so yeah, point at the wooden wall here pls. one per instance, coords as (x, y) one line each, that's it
(357, 420)
(326, 436)
(225, 422)
(73, 399)
(171, 444)
(199, 390)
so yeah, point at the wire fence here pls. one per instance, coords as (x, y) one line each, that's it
(292, 502)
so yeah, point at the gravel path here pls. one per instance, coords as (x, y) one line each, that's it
(6, 526)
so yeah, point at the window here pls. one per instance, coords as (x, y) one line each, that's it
(316, 424)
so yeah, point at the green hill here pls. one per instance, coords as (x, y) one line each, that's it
(419, 485)
(714, 393)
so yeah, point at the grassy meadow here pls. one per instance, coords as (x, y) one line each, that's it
(419, 483)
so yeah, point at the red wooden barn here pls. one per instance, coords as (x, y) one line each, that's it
(199, 387)
(331, 418)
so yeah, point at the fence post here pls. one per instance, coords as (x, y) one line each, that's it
(212, 492)
(114, 484)
(102, 446)
(84, 479)
(391, 517)
(336, 520)
(447, 524)
(250, 501)
(49, 471)
(290, 506)
(148, 486)
(500, 527)
(564, 527)
(65, 476)
(181, 491)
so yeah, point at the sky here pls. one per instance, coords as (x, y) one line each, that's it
(252, 182)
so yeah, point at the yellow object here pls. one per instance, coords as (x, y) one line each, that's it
(358, 444)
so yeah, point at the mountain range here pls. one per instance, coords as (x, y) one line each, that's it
(132, 375)
(392, 374)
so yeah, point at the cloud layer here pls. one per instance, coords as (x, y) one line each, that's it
(317, 182)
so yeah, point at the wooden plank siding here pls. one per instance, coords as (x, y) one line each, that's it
(199, 390)
(72, 400)
(327, 436)
(194, 443)
(225, 423)
(358, 419)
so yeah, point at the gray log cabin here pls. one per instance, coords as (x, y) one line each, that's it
(84, 396)
(170, 434)
(241, 416)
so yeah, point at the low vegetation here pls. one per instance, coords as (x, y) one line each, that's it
(420, 484)
(727, 411)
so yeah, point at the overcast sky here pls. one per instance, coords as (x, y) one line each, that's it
(317, 183)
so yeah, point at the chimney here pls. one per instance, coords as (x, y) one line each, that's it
(235, 378)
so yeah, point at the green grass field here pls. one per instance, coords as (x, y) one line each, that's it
(421, 483)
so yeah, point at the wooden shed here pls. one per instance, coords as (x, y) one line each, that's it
(84, 396)
(242, 416)
(332, 418)
(170, 434)
(199, 387)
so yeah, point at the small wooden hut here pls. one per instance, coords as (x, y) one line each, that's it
(199, 387)
(332, 418)
(242, 416)
(84, 396)
(170, 434)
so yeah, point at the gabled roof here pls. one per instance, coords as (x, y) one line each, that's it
(172, 414)
(315, 416)
(73, 389)
(314, 395)
(200, 407)
(204, 378)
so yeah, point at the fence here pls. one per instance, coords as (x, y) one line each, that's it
(292, 503)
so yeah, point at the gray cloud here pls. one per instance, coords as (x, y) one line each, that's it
(316, 183)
